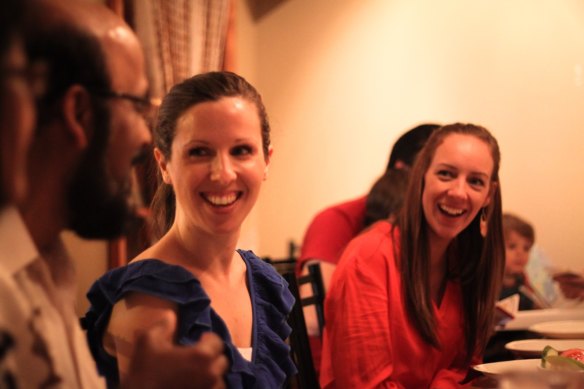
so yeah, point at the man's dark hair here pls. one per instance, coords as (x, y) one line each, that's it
(386, 196)
(407, 147)
(75, 57)
(72, 57)
(12, 13)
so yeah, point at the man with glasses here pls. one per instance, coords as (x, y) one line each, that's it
(90, 130)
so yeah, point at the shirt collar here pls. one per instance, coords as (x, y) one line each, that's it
(17, 250)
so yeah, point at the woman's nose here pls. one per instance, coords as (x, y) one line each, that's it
(458, 188)
(222, 170)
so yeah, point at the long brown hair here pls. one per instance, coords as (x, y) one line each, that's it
(478, 262)
(201, 88)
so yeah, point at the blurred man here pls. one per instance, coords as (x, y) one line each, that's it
(90, 130)
(17, 117)
(16, 104)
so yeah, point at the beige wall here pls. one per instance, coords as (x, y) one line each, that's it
(90, 258)
(342, 79)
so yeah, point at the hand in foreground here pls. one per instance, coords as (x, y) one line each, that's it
(571, 285)
(160, 364)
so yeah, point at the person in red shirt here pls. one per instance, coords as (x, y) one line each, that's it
(411, 305)
(332, 228)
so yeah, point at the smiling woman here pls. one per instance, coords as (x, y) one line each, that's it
(212, 147)
(217, 164)
(423, 291)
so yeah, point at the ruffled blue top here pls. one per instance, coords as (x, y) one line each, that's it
(270, 365)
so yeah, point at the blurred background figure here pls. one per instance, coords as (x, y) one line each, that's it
(532, 274)
(17, 113)
(386, 196)
(331, 229)
(527, 275)
(519, 239)
(17, 116)
(571, 285)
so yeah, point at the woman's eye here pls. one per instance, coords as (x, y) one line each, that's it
(477, 182)
(199, 152)
(445, 174)
(241, 150)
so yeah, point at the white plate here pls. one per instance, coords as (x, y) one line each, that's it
(524, 319)
(508, 367)
(568, 329)
(534, 347)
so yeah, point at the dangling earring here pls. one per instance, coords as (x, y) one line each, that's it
(483, 222)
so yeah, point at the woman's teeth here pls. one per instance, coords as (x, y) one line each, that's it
(222, 200)
(451, 211)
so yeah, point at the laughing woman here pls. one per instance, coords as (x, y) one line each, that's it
(411, 304)
(212, 146)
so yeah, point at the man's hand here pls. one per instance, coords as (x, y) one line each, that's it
(571, 285)
(158, 363)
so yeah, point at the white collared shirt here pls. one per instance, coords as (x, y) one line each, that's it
(49, 348)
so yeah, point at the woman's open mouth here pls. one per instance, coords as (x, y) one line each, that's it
(221, 200)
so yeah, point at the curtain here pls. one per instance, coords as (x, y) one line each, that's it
(181, 38)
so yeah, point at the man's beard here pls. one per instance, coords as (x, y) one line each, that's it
(98, 205)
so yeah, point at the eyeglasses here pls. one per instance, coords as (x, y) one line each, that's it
(145, 106)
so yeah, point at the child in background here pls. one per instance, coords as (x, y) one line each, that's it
(519, 238)
(527, 271)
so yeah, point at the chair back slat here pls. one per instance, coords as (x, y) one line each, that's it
(299, 342)
(318, 293)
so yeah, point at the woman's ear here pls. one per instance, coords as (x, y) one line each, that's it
(77, 113)
(162, 165)
(494, 187)
(268, 159)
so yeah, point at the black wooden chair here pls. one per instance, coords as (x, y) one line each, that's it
(314, 278)
(284, 265)
(299, 340)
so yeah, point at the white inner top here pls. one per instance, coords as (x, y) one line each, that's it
(245, 352)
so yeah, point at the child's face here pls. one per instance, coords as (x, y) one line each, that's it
(516, 253)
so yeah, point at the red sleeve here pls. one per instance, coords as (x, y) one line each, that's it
(357, 335)
(330, 231)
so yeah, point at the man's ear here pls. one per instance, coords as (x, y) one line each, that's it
(162, 165)
(77, 113)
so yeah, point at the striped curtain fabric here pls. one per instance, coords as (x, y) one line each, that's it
(181, 38)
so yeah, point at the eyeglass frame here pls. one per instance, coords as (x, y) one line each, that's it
(145, 106)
